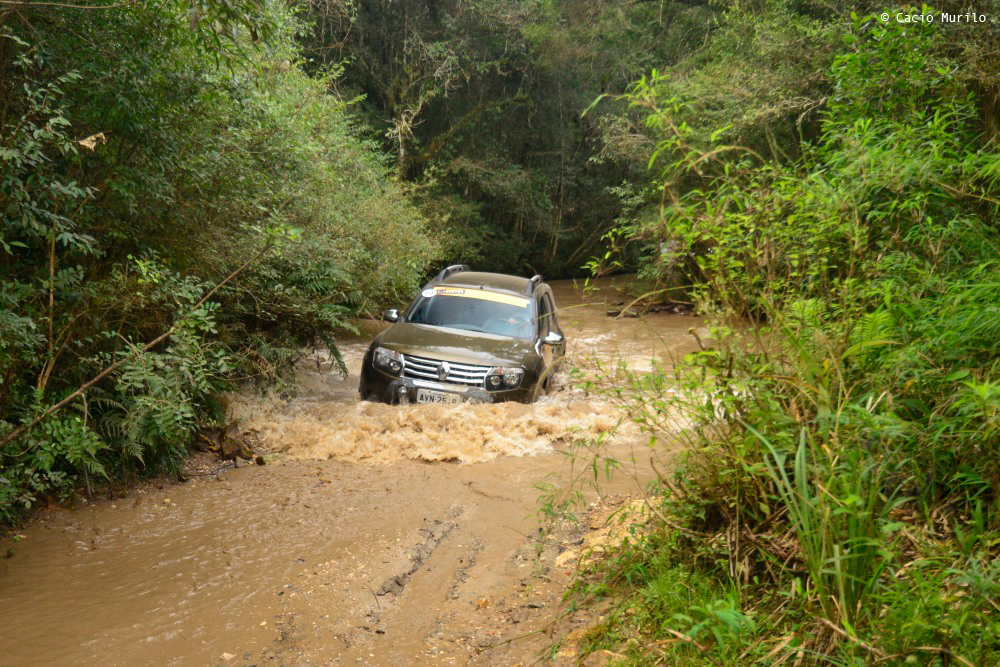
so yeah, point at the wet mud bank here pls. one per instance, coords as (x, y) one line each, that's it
(380, 536)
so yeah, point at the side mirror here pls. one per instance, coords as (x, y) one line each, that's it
(553, 338)
(391, 315)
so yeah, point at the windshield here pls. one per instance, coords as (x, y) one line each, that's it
(474, 310)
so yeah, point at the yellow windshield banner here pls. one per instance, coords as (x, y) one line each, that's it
(468, 293)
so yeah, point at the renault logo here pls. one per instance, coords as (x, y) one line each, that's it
(443, 371)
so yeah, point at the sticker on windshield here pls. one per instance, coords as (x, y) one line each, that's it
(428, 293)
(484, 295)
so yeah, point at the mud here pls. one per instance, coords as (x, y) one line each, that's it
(382, 536)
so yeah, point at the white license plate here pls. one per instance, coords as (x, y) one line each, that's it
(428, 396)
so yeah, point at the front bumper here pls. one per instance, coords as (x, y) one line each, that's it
(391, 389)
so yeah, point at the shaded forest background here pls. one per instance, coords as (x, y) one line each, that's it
(482, 105)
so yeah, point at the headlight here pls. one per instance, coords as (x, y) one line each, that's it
(503, 377)
(389, 361)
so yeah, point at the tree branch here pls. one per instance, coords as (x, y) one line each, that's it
(21, 430)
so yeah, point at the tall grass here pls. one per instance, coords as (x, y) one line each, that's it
(838, 515)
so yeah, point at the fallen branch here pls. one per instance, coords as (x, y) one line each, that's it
(545, 629)
(639, 298)
(21, 430)
(665, 480)
(843, 633)
(687, 640)
(667, 522)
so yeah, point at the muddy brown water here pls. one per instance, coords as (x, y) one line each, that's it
(381, 535)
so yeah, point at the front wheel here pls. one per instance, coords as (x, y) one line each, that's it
(548, 381)
(366, 395)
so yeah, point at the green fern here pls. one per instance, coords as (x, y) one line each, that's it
(874, 329)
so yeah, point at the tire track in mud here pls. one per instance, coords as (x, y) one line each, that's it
(434, 533)
(318, 625)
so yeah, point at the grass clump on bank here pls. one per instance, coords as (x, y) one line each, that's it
(839, 501)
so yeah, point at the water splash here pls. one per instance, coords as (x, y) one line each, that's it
(377, 433)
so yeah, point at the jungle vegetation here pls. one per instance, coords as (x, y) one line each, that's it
(826, 186)
(172, 169)
(193, 192)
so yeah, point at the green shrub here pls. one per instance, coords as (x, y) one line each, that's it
(842, 422)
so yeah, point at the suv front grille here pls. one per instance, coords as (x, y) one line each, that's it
(427, 369)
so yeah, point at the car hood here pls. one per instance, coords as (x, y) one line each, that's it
(469, 347)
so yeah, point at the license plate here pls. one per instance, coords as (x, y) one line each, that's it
(428, 396)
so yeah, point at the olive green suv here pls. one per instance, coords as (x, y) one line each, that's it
(468, 336)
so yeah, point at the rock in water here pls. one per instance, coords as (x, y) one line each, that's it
(229, 442)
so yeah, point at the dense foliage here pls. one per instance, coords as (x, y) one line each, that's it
(143, 160)
(840, 499)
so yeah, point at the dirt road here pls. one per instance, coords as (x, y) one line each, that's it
(379, 536)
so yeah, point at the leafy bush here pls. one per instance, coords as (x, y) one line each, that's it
(181, 154)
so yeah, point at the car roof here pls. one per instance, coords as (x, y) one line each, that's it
(496, 281)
